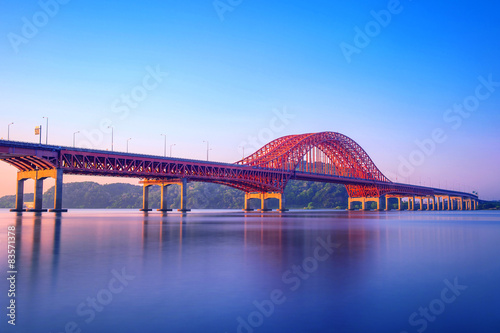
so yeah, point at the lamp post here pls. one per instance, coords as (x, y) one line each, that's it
(164, 145)
(8, 131)
(112, 134)
(171, 149)
(243, 155)
(40, 134)
(127, 143)
(46, 130)
(208, 148)
(74, 134)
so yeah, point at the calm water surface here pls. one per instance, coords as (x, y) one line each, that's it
(227, 271)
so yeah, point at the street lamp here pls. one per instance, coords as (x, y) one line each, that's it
(74, 134)
(39, 133)
(164, 145)
(8, 130)
(243, 147)
(208, 145)
(171, 149)
(112, 134)
(127, 143)
(46, 130)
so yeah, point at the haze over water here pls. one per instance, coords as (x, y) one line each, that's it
(217, 271)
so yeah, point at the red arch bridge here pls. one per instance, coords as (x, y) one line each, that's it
(323, 157)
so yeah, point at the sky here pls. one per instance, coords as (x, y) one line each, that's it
(415, 83)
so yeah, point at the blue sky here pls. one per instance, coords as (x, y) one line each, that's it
(228, 79)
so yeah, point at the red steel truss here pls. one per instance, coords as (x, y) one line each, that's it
(327, 153)
(324, 157)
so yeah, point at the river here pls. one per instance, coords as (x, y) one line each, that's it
(229, 271)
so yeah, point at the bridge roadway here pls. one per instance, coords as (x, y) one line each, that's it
(39, 161)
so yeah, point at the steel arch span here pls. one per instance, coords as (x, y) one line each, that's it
(326, 153)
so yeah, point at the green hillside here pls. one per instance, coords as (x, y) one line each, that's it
(298, 194)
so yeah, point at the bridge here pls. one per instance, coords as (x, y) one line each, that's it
(328, 157)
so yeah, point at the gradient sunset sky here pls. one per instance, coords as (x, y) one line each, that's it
(241, 73)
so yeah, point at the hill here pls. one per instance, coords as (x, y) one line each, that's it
(298, 194)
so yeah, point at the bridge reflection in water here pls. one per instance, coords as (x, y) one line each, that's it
(213, 266)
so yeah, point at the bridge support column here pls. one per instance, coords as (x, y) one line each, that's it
(38, 199)
(349, 203)
(362, 200)
(19, 197)
(421, 203)
(474, 204)
(399, 204)
(264, 197)
(460, 204)
(183, 196)
(436, 199)
(248, 196)
(58, 192)
(39, 176)
(145, 198)
(163, 186)
(263, 202)
(363, 204)
(163, 198)
(366, 200)
(412, 200)
(380, 203)
(282, 203)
